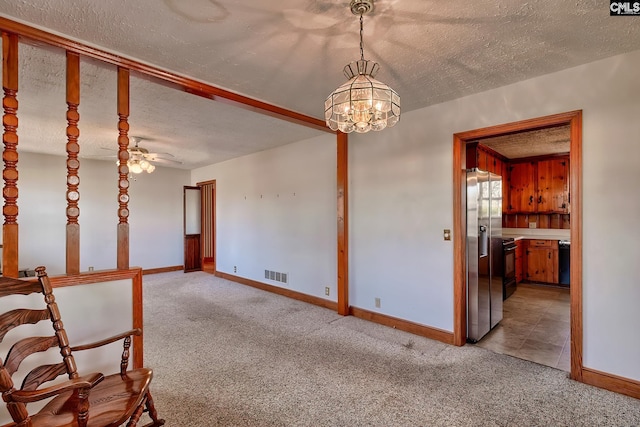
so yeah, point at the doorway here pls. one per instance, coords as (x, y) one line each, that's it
(574, 121)
(199, 207)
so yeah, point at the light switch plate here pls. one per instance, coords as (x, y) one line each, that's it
(447, 234)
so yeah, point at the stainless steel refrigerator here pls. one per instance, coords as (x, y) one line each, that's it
(484, 252)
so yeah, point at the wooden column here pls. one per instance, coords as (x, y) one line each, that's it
(10, 154)
(343, 223)
(123, 169)
(73, 148)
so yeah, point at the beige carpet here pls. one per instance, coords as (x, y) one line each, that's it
(228, 355)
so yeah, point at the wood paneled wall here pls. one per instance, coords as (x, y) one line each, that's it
(551, 221)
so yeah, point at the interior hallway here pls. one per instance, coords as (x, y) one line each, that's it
(535, 327)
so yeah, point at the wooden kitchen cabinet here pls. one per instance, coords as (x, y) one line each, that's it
(553, 185)
(542, 261)
(520, 248)
(540, 186)
(522, 183)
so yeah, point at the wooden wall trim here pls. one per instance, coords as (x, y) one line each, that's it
(138, 341)
(404, 325)
(162, 269)
(611, 382)
(343, 222)
(459, 243)
(123, 169)
(10, 154)
(574, 120)
(575, 175)
(89, 277)
(331, 305)
(184, 83)
(73, 164)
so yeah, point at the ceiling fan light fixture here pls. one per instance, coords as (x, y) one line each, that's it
(138, 162)
(362, 103)
(134, 166)
(144, 164)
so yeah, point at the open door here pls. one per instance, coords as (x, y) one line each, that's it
(192, 229)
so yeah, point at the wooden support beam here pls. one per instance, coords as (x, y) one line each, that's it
(343, 223)
(184, 83)
(10, 154)
(123, 169)
(73, 148)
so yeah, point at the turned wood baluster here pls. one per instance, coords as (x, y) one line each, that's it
(10, 154)
(73, 148)
(124, 363)
(123, 169)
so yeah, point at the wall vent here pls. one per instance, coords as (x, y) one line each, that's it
(276, 276)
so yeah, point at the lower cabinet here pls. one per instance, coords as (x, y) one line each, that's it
(520, 248)
(542, 261)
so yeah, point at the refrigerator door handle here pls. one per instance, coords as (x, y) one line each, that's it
(483, 241)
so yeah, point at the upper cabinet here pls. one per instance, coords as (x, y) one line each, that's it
(482, 158)
(522, 187)
(553, 185)
(537, 185)
(540, 186)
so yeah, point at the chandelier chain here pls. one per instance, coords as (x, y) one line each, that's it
(361, 44)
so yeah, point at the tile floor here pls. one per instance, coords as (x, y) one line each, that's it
(535, 326)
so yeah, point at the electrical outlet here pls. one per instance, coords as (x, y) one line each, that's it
(326, 291)
(91, 268)
(377, 302)
(235, 269)
(532, 225)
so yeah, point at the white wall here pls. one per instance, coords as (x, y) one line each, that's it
(276, 210)
(155, 214)
(401, 200)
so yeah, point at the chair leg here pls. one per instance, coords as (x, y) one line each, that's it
(133, 421)
(151, 409)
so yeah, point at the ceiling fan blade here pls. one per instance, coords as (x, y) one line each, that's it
(166, 161)
(160, 155)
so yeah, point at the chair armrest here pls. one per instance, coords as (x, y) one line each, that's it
(87, 381)
(106, 341)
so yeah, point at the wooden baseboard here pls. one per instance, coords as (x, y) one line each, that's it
(611, 382)
(332, 305)
(404, 325)
(162, 269)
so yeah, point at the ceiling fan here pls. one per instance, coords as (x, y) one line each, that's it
(142, 160)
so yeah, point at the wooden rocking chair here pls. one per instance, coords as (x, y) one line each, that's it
(93, 400)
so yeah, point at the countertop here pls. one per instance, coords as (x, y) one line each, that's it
(536, 233)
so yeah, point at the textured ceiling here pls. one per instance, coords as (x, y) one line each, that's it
(291, 53)
(555, 140)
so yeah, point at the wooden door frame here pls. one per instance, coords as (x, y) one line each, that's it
(213, 223)
(574, 120)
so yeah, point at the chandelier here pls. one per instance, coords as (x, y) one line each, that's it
(362, 103)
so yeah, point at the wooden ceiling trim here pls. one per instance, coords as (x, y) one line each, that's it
(184, 83)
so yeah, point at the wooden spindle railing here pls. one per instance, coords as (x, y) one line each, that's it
(10, 154)
(123, 169)
(73, 164)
